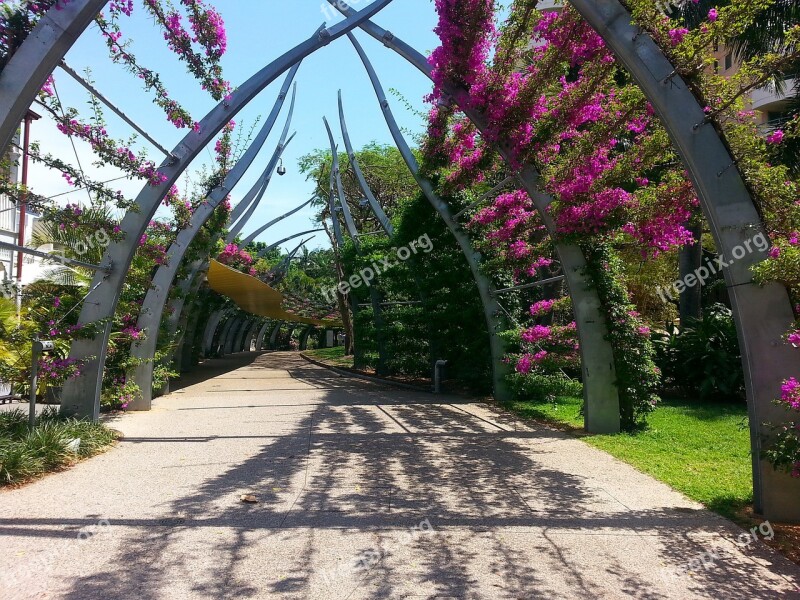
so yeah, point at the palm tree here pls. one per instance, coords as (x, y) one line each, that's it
(73, 243)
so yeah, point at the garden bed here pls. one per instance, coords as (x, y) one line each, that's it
(55, 444)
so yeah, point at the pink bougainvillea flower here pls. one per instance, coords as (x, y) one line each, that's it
(776, 137)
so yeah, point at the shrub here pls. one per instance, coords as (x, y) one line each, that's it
(25, 454)
(703, 359)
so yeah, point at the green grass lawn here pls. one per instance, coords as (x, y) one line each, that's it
(702, 450)
(51, 446)
(331, 356)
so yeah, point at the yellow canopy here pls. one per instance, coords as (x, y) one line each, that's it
(254, 296)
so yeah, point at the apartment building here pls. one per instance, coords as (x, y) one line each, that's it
(10, 219)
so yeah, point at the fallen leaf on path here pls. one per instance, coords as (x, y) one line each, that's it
(249, 498)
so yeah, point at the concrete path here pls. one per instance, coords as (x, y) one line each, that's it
(364, 492)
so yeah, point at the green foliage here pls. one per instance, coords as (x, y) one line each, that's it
(539, 387)
(448, 324)
(26, 454)
(703, 359)
(637, 374)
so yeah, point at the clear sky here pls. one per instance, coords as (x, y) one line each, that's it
(258, 32)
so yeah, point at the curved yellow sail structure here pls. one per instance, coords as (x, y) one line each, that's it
(255, 296)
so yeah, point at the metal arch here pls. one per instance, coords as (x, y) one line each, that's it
(211, 329)
(37, 58)
(491, 309)
(267, 177)
(601, 395)
(348, 217)
(238, 342)
(238, 323)
(237, 228)
(251, 335)
(273, 338)
(304, 337)
(157, 295)
(261, 334)
(377, 210)
(252, 237)
(286, 239)
(81, 396)
(222, 334)
(763, 314)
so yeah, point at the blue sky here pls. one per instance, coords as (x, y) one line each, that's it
(258, 31)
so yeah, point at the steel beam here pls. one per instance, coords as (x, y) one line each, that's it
(233, 333)
(211, 329)
(155, 301)
(252, 237)
(261, 334)
(238, 341)
(273, 339)
(763, 314)
(601, 396)
(491, 309)
(81, 395)
(37, 57)
(377, 210)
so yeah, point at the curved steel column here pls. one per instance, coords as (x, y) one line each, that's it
(273, 339)
(238, 341)
(211, 329)
(252, 237)
(304, 337)
(377, 209)
(37, 57)
(237, 228)
(491, 309)
(763, 314)
(81, 396)
(157, 295)
(601, 396)
(238, 323)
(261, 335)
(222, 335)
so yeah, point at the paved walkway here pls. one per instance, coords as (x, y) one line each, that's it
(364, 492)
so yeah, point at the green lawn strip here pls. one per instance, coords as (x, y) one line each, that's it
(331, 356)
(27, 455)
(701, 450)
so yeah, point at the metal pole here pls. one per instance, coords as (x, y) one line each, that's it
(531, 285)
(35, 353)
(55, 257)
(26, 144)
(69, 71)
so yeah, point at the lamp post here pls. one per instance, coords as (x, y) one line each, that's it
(39, 347)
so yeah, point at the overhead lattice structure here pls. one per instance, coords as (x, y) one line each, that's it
(763, 313)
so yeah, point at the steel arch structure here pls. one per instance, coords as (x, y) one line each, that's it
(762, 314)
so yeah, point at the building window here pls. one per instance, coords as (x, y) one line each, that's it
(728, 61)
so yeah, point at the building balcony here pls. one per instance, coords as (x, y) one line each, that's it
(550, 5)
(768, 99)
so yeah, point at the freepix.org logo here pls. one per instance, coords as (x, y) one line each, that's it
(366, 275)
